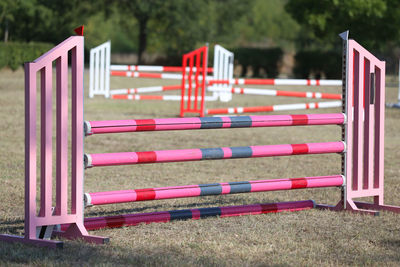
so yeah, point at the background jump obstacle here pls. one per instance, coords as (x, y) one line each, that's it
(221, 80)
(361, 147)
(194, 81)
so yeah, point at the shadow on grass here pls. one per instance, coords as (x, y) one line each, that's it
(82, 254)
(393, 243)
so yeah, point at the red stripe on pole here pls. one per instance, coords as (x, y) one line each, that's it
(299, 149)
(145, 194)
(260, 81)
(147, 156)
(318, 83)
(307, 106)
(171, 87)
(258, 109)
(289, 93)
(145, 125)
(331, 96)
(115, 221)
(299, 183)
(267, 208)
(316, 105)
(217, 111)
(119, 97)
(172, 69)
(299, 119)
(308, 82)
(149, 75)
(151, 97)
(118, 73)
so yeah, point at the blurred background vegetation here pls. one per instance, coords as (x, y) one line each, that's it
(271, 38)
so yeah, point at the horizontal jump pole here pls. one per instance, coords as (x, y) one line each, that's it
(153, 68)
(272, 92)
(97, 223)
(163, 156)
(278, 82)
(134, 74)
(145, 89)
(162, 97)
(122, 196)
(169, 124)
(298, 106)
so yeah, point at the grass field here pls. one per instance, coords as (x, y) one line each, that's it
(305, 238)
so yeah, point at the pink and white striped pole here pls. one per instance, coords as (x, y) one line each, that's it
(198, 123)
(162, 156)
(122, 196)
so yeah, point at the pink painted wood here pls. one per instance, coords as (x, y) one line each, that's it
(39, 225)
(364, 133)
(360, 130)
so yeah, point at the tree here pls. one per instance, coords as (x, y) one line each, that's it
(143, 11)
(43, 20)
(371, 22)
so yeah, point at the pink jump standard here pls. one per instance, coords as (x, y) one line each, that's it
(361, 148)
(40, 226)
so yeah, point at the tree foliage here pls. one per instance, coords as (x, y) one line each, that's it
(371, 22)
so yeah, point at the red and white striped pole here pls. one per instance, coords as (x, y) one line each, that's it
(272, 92)
(151, 68)
(163, 97)
(278, 82)
(299, 106)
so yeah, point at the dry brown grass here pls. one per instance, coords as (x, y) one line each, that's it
(307, 238)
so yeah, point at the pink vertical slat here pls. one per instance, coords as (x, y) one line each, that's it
(30, 151)
(77, 122)
(359, 122)
(46, 140)
(62, 136)
(368, 129)
(357, 118)
(379, 130)
(349, 99)
(77, 133)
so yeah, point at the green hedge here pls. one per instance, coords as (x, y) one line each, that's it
(15, 54)
(319, 63)
(267, 58)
